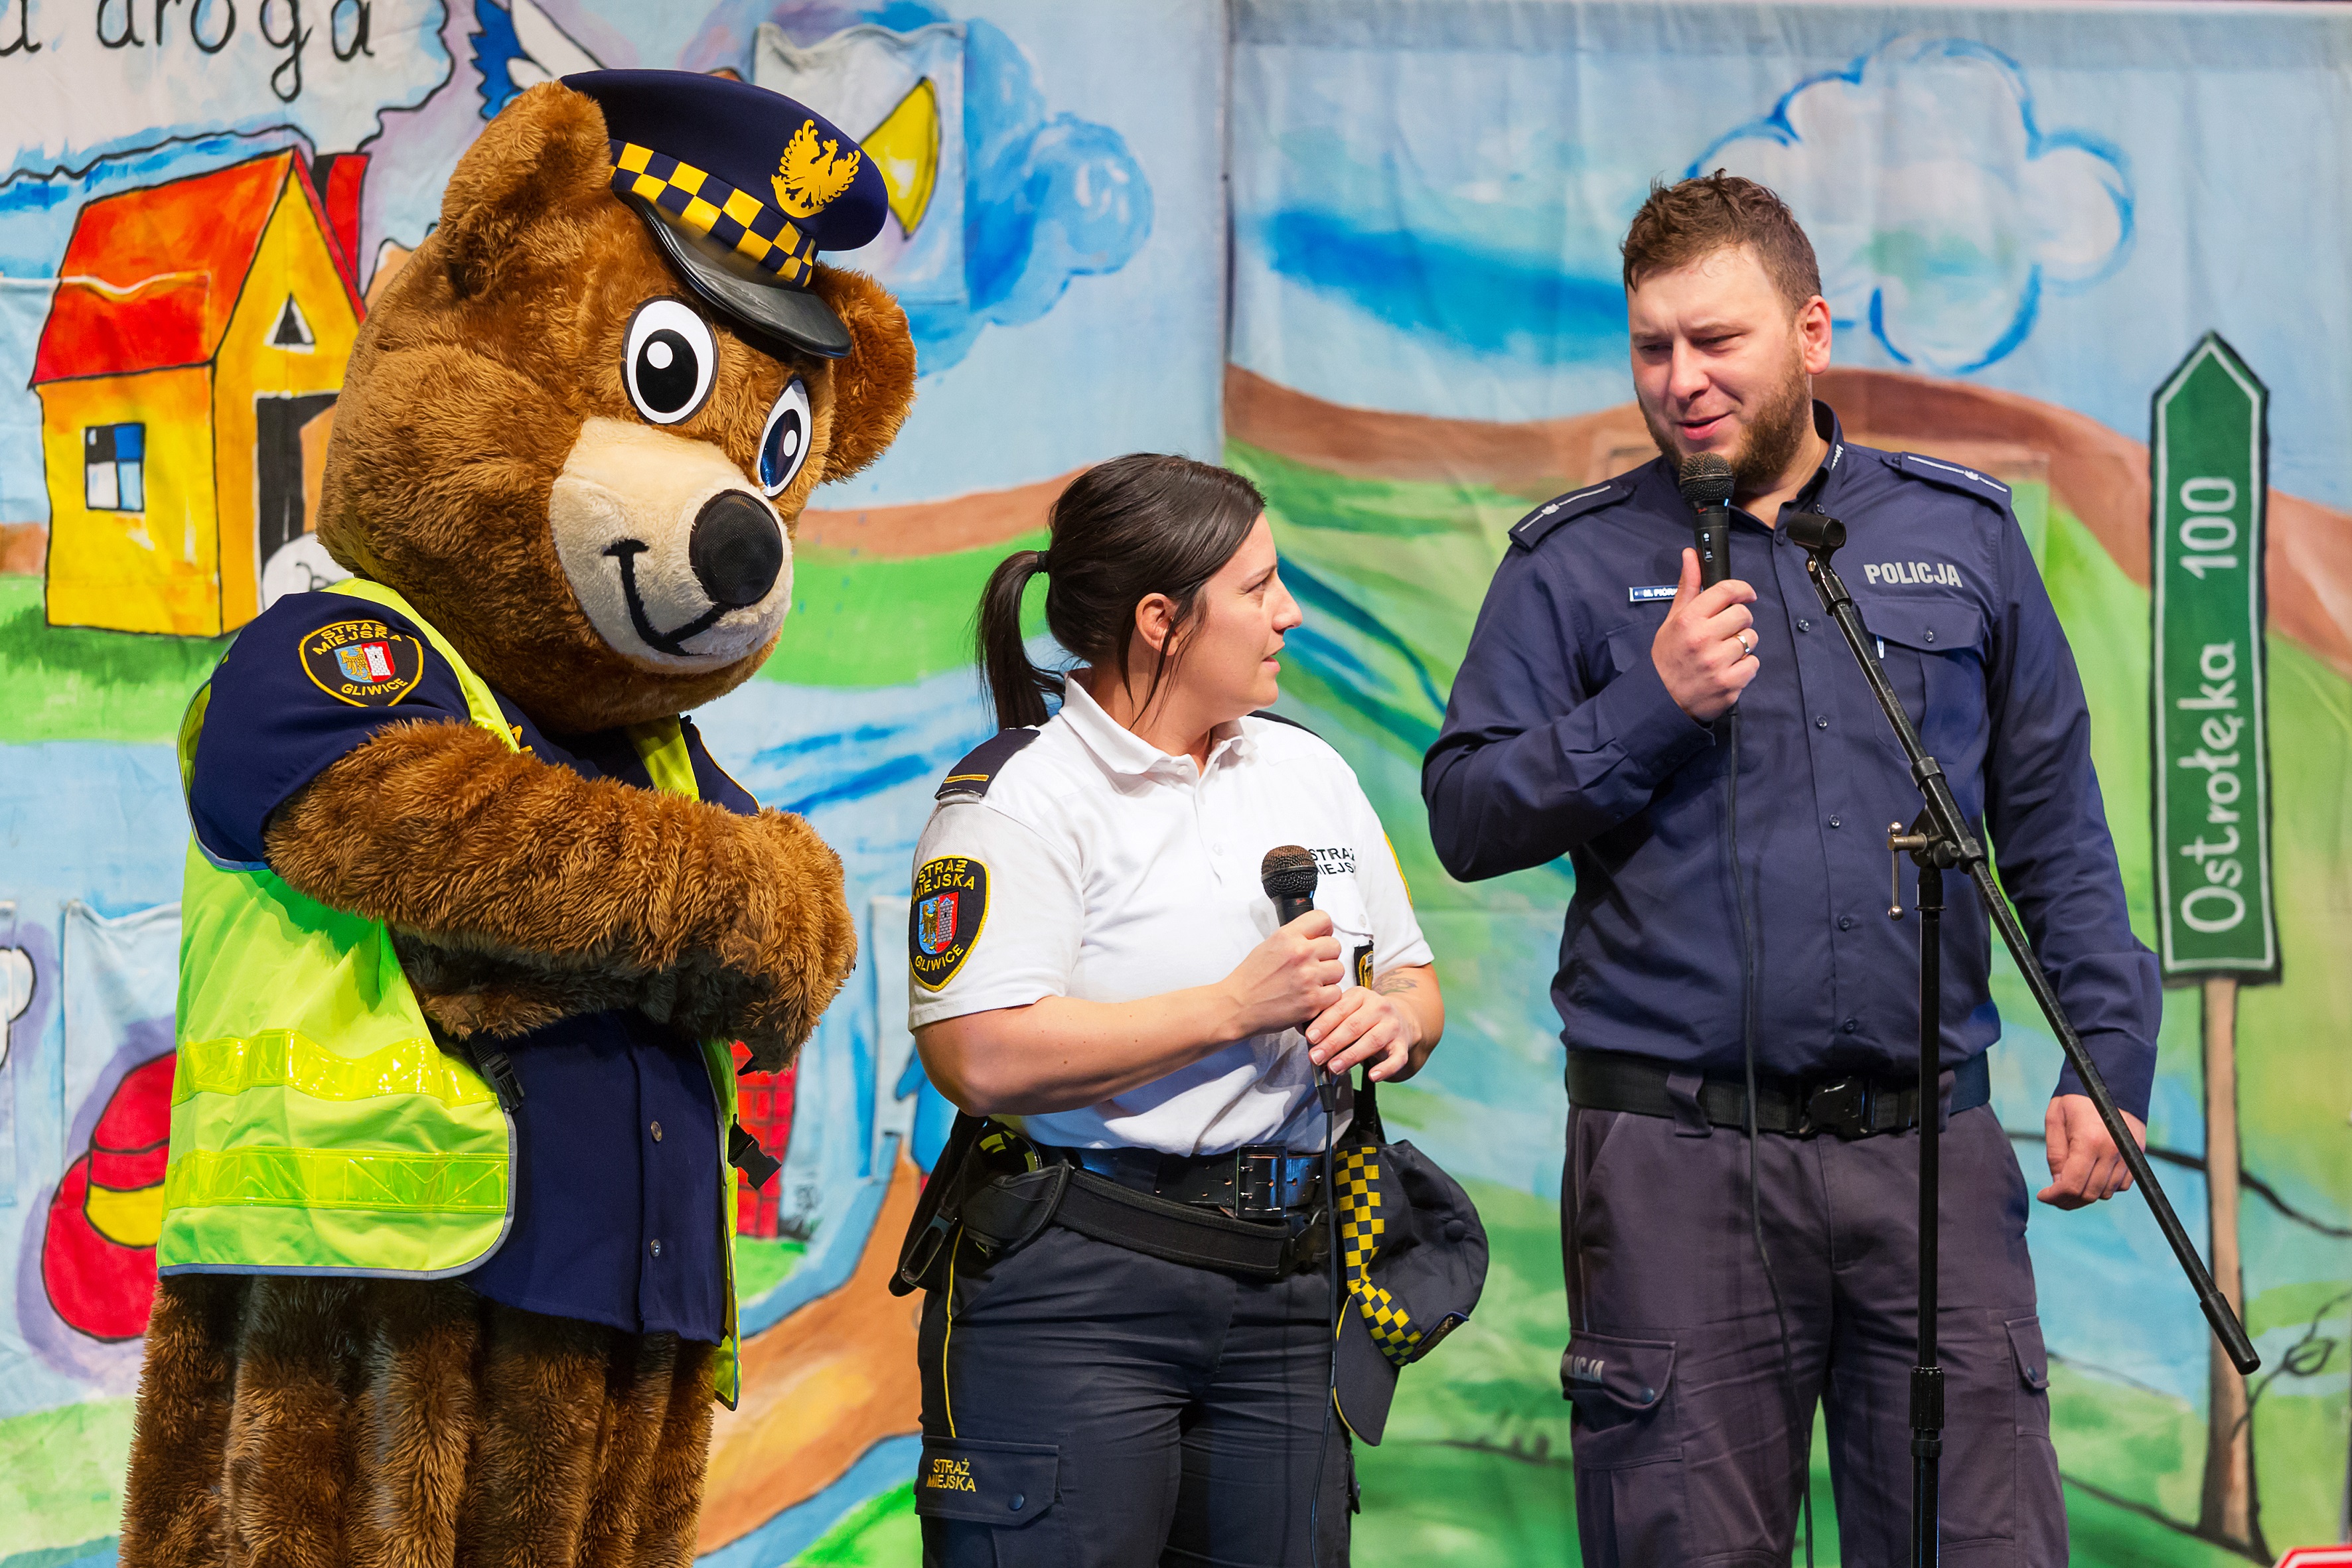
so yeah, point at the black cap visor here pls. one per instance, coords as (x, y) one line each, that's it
(755, 301)
(1367, 1379)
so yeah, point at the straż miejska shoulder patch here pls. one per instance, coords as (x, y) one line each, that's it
(363, 663)
(944, 918)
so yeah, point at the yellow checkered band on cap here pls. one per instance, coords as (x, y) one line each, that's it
(694, 199)
(1357, 1174)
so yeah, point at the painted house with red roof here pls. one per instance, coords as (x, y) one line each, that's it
(188, 373)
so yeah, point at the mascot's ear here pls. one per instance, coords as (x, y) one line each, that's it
(874, 385)
(546, 151)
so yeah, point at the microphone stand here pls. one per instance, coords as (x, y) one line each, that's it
(1940, 839)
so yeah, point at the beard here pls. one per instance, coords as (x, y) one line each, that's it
(1772, 438)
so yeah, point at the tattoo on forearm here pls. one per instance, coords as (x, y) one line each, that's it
(1391, 985)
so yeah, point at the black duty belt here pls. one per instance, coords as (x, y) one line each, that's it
(1007, 1212)
(1852, 1105)
(1256, 1181)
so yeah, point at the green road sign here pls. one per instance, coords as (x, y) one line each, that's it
(2210, 457)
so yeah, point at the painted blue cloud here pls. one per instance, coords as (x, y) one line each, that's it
(1047, 199)
(1942, 213)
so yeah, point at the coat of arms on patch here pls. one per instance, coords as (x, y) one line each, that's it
(363, 663)
(950, 902)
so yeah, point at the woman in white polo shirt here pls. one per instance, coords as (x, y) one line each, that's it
(1097, 967)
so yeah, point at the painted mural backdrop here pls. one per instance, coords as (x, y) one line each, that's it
(197, 203)
(2029, 221)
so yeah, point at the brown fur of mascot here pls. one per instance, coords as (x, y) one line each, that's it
(483, 426)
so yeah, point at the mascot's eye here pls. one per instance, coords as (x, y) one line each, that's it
(783, 445)
(668, 361)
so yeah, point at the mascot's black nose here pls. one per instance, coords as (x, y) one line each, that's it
(737, 550)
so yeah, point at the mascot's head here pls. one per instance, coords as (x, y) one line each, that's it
(582, 420)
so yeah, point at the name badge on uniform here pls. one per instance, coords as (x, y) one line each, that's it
(1655, 590)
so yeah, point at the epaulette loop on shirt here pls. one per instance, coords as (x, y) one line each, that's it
(1952, 477)
(970, 779)
(1529, 530)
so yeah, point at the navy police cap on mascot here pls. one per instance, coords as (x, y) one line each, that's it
(472, 919)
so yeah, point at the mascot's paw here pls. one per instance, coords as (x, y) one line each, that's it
(468, 986)
(789, 944)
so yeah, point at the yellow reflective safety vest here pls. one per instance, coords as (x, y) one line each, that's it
(317, 1125)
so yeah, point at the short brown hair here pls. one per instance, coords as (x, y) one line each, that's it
(1683, 223)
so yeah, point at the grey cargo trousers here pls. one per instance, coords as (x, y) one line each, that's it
(1686, 1452)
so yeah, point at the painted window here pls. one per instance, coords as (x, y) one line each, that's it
(114, 468)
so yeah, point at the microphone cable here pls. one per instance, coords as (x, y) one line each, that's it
(1327, 1090)
(1797, 1424)
(1707, 482)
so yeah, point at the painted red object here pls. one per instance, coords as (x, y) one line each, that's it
(100, 1285)
(2317, 1557)
(336, 178)
(150, 276)
(763, 1103)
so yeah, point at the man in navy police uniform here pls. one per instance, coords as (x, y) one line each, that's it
(1585, 722)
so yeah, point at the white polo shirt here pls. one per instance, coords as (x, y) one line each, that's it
(1097, 866)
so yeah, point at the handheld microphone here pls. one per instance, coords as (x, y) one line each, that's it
(1706, 483)
(1287, 874)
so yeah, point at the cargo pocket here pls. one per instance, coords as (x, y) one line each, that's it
(1631, 1501)
(2041, 1520)
(978, 1502)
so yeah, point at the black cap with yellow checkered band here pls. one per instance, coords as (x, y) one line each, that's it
(741, 188)
(1413, 1255)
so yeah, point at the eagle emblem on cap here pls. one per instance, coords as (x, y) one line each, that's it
(812, 172)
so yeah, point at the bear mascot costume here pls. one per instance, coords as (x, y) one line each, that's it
(472, 920)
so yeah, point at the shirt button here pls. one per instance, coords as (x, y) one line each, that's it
(1850, 1025)
(1804, 625)
(657, 1242)
(1821, 721)
(1837, 821)
(656, 1132)
(1845, 922)
(1931, 636)
(1020, 1501)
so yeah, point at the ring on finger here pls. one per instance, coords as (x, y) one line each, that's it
(1745, 639)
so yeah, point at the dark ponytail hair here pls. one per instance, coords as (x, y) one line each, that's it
(1123, 531)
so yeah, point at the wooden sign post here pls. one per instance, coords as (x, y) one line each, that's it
(2209, 457)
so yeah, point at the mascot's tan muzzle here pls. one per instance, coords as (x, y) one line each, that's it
(679, 564)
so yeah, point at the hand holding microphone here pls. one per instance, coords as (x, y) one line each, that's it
(1706, 649)
(1294, 974)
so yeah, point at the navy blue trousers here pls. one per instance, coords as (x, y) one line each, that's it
(1087, 1407)
(1686, 1446)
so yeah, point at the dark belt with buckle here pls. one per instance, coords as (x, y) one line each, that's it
(1851, 1105)
(1256, 1181)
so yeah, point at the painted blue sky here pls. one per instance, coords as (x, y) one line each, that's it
(2055, 201)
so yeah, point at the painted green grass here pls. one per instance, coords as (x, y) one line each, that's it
(857, 620)
(61, 1476)
(69, 684)
(880, 1532)
(761, 1264)
(868, 621)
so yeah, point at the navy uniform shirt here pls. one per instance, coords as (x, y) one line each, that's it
(596, 1188)
(1560, 738)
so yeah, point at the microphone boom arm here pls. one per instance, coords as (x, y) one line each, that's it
(1820, 537)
